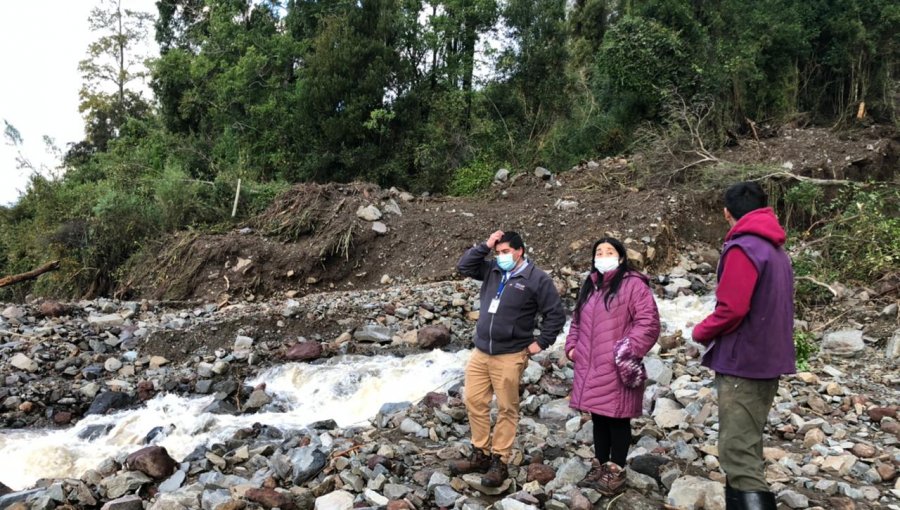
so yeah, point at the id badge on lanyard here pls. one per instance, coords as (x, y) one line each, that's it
(495, 303)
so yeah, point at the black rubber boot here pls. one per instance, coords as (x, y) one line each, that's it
(757, 501)
(732, 498)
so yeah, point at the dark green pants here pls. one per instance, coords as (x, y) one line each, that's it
(743, 409)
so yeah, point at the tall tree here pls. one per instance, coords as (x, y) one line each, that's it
(113, 64)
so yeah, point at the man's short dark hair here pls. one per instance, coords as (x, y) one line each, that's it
(744, 197)
(514, 239)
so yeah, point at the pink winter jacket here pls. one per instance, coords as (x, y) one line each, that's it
(633, 314)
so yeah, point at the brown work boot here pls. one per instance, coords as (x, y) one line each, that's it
(477, 462)
(497, 474)
(592, 480)
(612, 481)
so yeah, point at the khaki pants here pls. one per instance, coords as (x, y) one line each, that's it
(486, 376)
(743, 409)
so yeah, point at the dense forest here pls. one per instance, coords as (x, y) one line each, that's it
(427, 96)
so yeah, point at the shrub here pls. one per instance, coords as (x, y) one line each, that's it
(472, 179)
(804, 343)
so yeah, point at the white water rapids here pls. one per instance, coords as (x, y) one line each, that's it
(349, 390)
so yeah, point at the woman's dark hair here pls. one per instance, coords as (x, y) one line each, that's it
(589, 287)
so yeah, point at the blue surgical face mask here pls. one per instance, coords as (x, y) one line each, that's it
(505, 261)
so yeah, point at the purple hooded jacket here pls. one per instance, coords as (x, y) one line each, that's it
(762, 346)
(632, 313)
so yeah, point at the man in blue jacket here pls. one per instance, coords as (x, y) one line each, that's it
(514, 292)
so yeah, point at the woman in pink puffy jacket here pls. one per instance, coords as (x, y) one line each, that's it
(615, 324)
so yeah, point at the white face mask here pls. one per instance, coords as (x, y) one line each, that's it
(604, 264)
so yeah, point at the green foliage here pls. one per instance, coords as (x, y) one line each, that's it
(640, 61)
(472, 179)
(857, 238)
(805, 346)
(429, 96)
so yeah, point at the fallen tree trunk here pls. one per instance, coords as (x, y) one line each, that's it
(30, 275)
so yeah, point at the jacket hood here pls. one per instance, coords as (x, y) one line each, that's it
(762, 223)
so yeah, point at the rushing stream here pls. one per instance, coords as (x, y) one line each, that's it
(349, 390)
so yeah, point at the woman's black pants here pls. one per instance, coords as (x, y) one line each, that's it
(612, 438)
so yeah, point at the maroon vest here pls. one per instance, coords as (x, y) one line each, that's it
(762, 346)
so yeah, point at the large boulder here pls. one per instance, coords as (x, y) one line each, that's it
(846, 342)
(54, 309)
(304, 351)
(433, 337)
(109, 401)
(153, 461)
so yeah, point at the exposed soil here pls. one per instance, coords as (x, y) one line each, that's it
(311, 238)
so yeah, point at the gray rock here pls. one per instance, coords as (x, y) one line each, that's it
(640, 481)
(532, 373)
(375, 499)
(23, 362)
(793, 499)
(173, 483)
(187, 497)
(542, 173)
(392, 207)
(571, 472)
(373, 333)
(685, 451)
(892, 351)
(307, 463)
(658, 371)
(106, 321)
(215, 499)
(445, 496)
(846, 342)
(368, 213)
(409, 426)
(112, 365)
(395, 491)
(256, 400)
(8, 500)
(379, 228)
(437, 479)
(474, 481)
(13, 312)
(291, 308)
(513, 504)
(557, 410)
(695, 492)
(124, 482)
(131, 502)
(502, 175)
(566, 205)
(56, 493)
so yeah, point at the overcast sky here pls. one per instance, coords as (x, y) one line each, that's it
(41, 44)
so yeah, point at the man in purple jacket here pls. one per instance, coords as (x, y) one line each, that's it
(750, 340)
(513, 293)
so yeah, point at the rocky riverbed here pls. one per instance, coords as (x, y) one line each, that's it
(353, 400)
